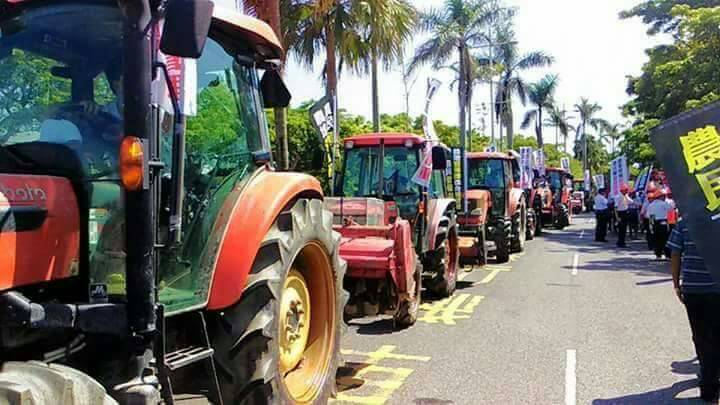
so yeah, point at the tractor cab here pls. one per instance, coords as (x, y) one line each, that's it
(382, 166)
(558, 211)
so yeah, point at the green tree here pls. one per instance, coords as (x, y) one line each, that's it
(658, 13)
(541, 96)
(636, 142)
(587, 112)
(611, 134)
(382, 29)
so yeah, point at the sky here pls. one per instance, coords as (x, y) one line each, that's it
(594, 51)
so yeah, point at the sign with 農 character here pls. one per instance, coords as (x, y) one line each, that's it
(688, 147)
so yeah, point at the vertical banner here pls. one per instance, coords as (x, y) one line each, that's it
(424, 172)
(688, 147)
(587, 181)
(526, 166)
(619, 175)
(565, 163)
(322, 116)
(600, 181)
(540, 161)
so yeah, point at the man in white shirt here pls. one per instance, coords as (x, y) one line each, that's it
(601, 215)
(622, 207)
(658, 213)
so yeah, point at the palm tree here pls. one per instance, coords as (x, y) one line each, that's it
(559, 119)
(456, 29)
(382, 28)
(611, 133)
(511, 84)
(475, 74)
(587, 111)
(540, 95)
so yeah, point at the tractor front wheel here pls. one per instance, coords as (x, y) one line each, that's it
(519, 230)
(446, 264)
(503, 241)
(280, 343)
(409, 307)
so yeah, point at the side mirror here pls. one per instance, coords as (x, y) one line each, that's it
(439, 160)
(186, 28)
(274, 92)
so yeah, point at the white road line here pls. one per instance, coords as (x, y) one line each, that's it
(576, 261)
(570, 378)
(582, 233)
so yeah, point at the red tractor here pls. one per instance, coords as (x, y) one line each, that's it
(149, 248)
(395, 233)
(556, 204)
(496, 221)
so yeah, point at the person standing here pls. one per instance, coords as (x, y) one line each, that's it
(600, 205)
(646, 219)
(658, 211)
(622, 209)
(696, 288)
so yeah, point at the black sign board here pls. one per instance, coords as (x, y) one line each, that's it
(688, 146)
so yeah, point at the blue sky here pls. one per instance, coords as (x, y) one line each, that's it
(593, 48)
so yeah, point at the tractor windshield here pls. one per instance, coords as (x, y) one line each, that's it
(362, 173)
(486, 173)
(60, 89)
(555, 180)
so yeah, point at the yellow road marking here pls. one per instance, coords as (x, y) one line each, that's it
(494, 270)
(449, 310)
(384, 352)
(381, 381)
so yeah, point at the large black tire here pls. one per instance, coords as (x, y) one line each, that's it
(538, 223)
(37, 383)
(532, 224)
(519, 230)
(246, 336)
(482, 249)
(408, 309)
(503, 241)
(445, 265)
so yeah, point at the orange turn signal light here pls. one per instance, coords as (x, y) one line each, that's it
(132, 163)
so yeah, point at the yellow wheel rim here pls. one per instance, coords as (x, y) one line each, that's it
(294, 320)
(308, 325)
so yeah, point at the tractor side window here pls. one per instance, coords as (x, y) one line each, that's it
(437, 185)
(220, 141)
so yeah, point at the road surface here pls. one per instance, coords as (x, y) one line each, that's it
(567, 321)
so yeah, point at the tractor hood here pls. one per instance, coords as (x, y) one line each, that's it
(39, 230)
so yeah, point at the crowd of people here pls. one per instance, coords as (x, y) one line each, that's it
(631, 213)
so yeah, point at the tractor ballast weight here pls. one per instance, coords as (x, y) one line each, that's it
(395, 233)
(497, 220)
(147, 248)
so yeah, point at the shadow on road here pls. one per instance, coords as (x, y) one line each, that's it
(659, 396)
(686, 367)
(346, 377)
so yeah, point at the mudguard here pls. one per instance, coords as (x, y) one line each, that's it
(516, 197)
(442, 216)
(251, 215)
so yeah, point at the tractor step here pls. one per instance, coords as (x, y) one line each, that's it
(186, 356)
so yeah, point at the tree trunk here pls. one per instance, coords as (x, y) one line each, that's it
(462, 99)
(331, 64)
(469, 116)
(375, 95)
(509, 123)
(538, 129)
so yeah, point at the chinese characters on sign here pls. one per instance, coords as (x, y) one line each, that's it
(701, 148)
(619, 175)
(526, 166)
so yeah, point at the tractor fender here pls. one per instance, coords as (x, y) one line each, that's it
(516, 197)
(254, 211)
(442, 218)
(483, 200)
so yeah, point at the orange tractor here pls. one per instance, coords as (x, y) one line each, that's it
(149, 249)
(556, 204)
(497, 218)
(395, 232)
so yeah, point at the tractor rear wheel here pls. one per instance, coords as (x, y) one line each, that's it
(503, 241)
(446, 263)
(519, 224)
(530, 231)
(280, 343)
(408, 310)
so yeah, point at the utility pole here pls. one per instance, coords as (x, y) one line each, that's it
(492, 97)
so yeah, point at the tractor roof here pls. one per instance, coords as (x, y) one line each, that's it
(248, 30)
(388, 138)
(489, 156)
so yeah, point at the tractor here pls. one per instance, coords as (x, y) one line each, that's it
(556, 208)
(396, 233)
(150, 251)
(496, 220)
(579, 197)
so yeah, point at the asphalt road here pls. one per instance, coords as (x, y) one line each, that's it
(568, 321)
